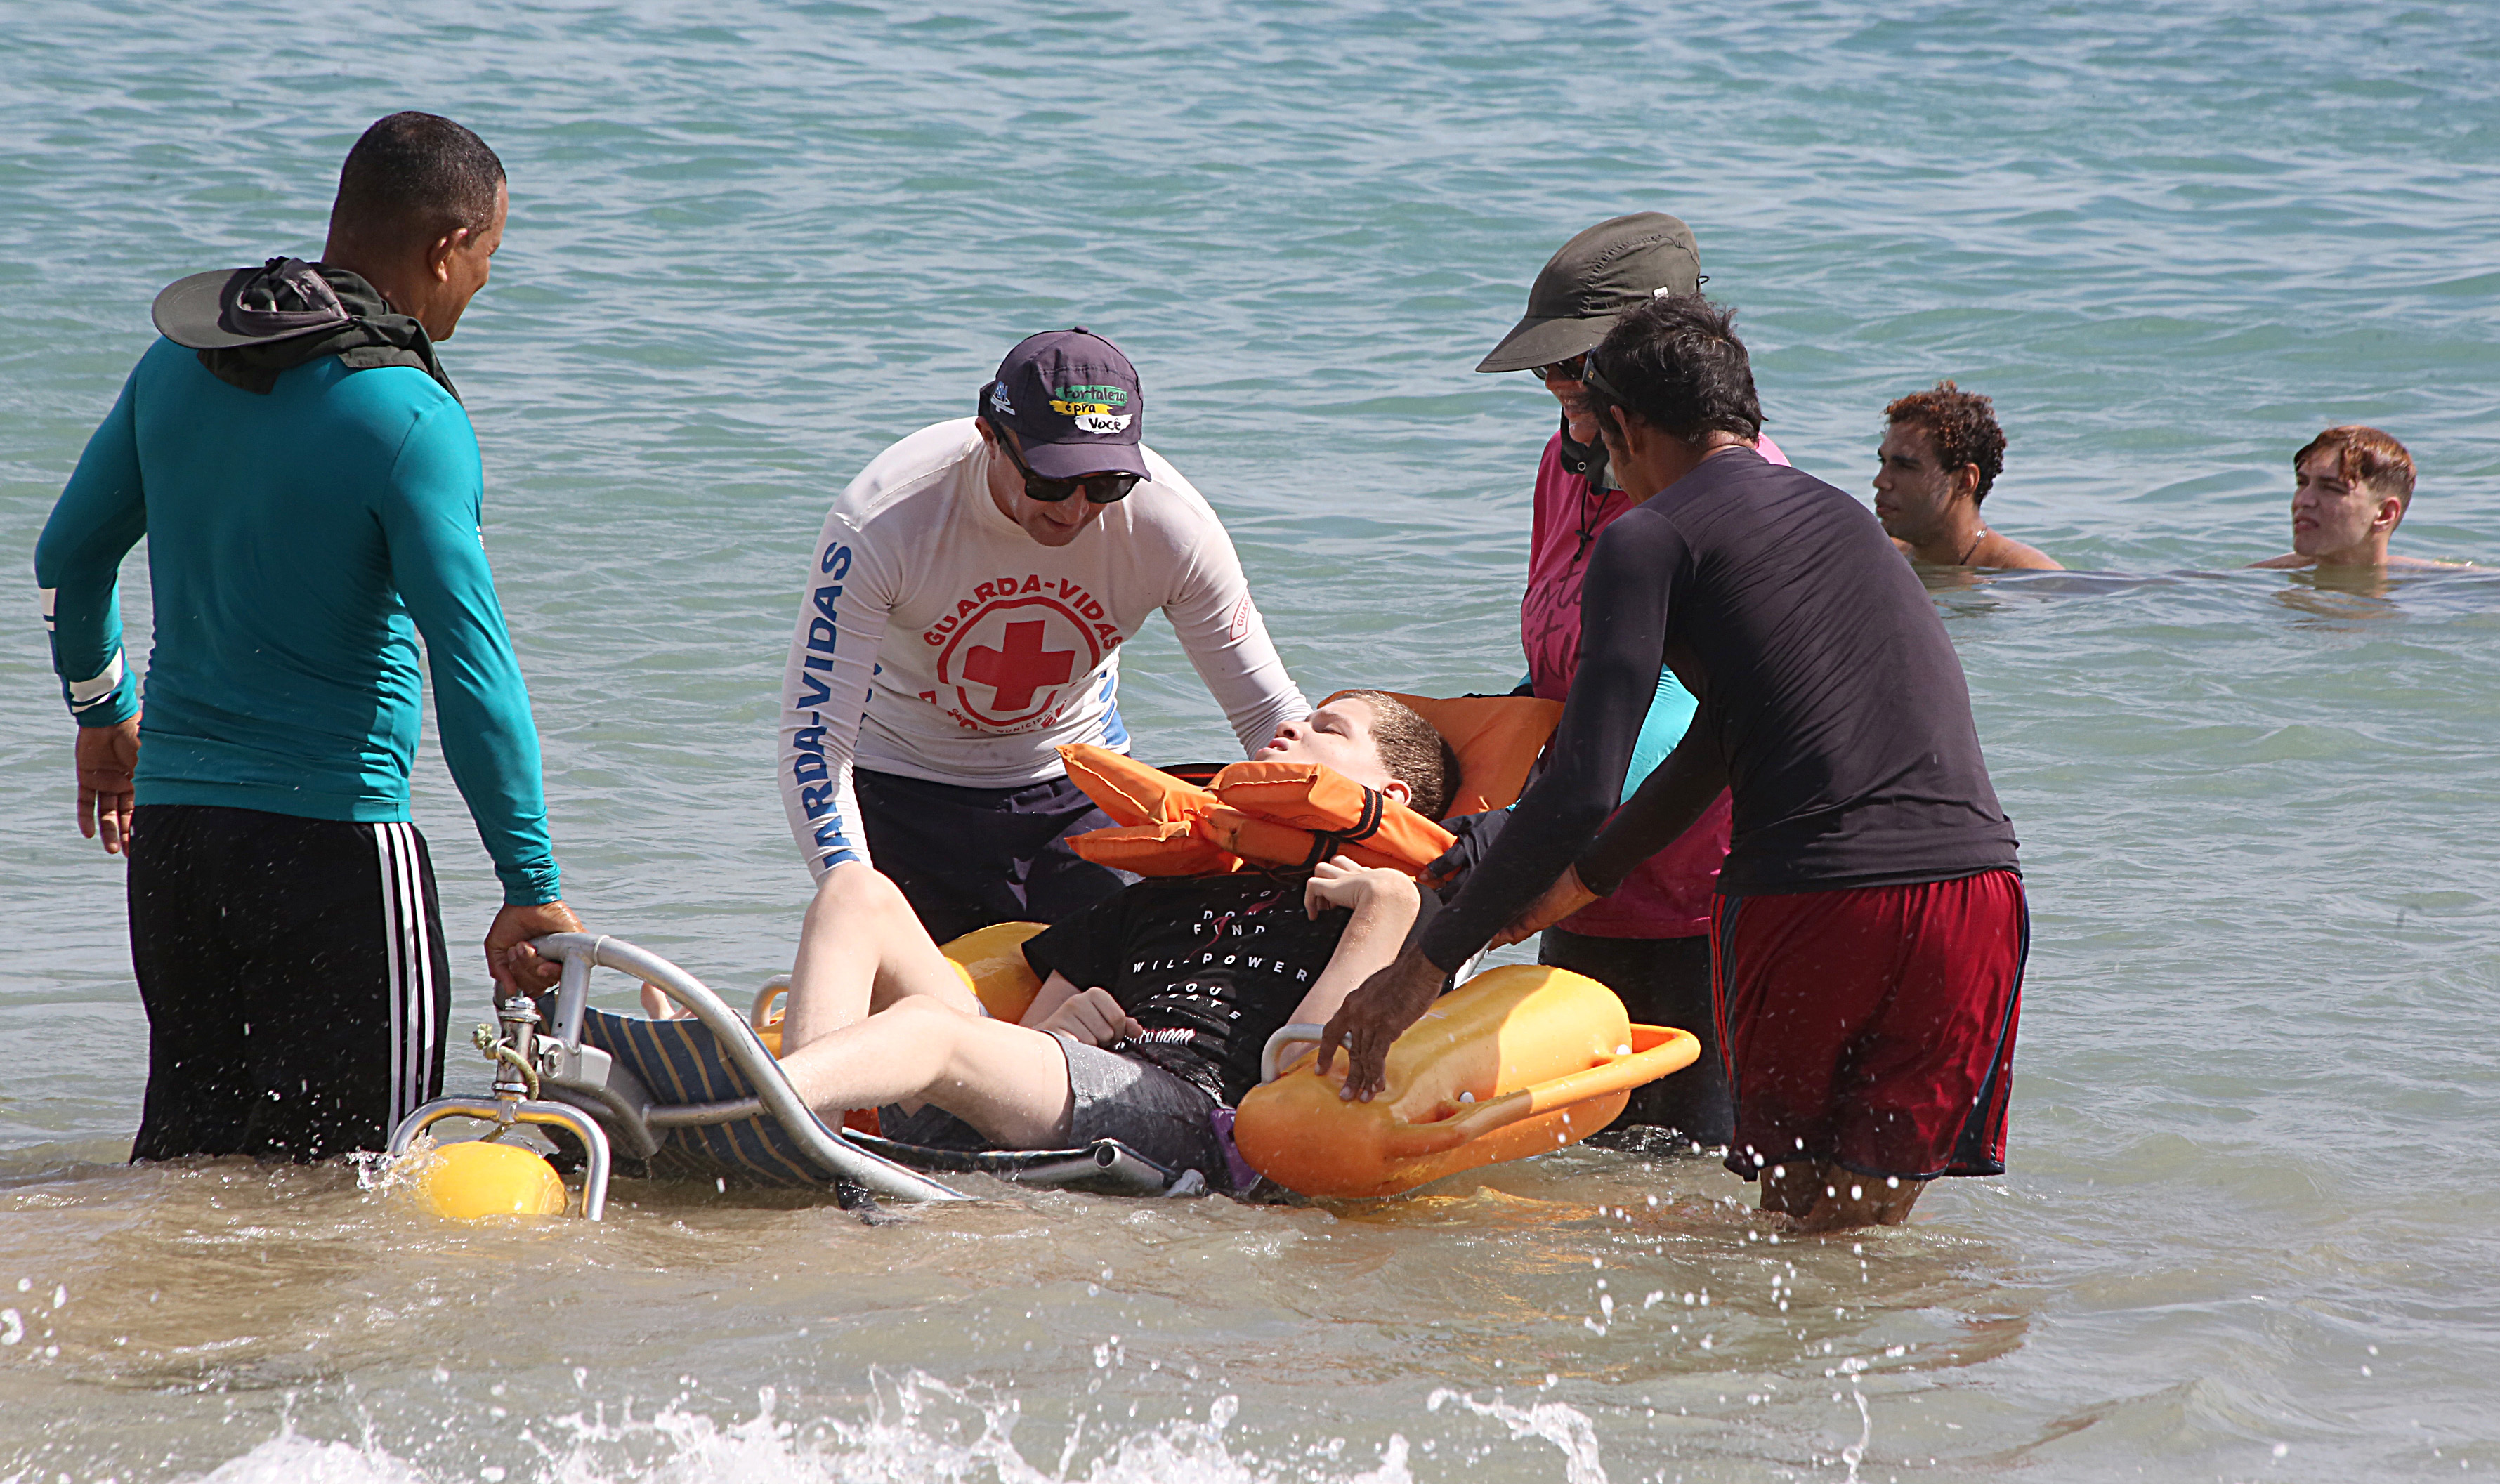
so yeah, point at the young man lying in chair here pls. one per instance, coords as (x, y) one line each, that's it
(1155, 1002)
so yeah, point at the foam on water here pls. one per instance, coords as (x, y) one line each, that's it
(920, 1433)
(1566, 1427)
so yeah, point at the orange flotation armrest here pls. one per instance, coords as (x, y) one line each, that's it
(1520, 1060)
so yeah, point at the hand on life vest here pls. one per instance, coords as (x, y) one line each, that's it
(1567, 895)
(1094, 1017)
(1339, 882)
(1477, 834)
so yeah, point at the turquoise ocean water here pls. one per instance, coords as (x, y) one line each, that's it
(2249, 1227)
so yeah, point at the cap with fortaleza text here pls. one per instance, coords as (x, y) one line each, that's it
(1072, 401)
(1598, 277)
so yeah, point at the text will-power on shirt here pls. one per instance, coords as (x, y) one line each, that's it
(936, 640)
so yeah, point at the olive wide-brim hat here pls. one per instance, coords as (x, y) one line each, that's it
(229, 306)
(1598, 277)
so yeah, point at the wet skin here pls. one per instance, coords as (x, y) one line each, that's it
(2338, 524)
(1931, 513)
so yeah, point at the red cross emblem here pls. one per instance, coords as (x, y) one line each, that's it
(1020, 669)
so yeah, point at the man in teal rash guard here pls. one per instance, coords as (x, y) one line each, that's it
(310, 488)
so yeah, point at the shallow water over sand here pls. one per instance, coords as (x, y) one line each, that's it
(2249, 1227)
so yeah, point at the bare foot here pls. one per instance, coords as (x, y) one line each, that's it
(1832, 1197)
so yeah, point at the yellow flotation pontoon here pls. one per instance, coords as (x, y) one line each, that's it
(477, 1179)
(1518, 1060)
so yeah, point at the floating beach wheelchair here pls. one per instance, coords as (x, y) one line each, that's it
(1518, 1060)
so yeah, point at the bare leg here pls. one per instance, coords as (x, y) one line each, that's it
(863, 950)
(1792, 1189)
(1831, 1198)
(1008, 1081)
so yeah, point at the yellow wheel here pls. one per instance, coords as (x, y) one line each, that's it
(470, 1181)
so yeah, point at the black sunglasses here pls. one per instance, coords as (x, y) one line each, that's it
(1560, 370)
(1100, 488)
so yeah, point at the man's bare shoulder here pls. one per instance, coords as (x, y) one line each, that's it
(2427, 564)
(2287, 562)
(2006, 553)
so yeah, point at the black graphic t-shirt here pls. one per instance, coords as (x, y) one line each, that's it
(1210, 965)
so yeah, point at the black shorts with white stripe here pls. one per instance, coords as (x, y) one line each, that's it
(295, 980)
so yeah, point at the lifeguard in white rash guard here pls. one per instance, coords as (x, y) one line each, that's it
(963, 618)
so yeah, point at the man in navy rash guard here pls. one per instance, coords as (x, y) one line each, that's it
(310, 488)
(1869, 931)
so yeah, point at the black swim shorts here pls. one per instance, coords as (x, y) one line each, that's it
(968, 857)
(295, 978)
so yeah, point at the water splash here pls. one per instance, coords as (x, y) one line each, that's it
(1567, 1427)
(292, 1459)
(380, 1174)
(925, 1433)
(1856, 1453)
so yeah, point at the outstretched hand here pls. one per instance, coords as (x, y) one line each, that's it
(516, 967)
(107, 760)
(1374, 1015)
(1557, 902)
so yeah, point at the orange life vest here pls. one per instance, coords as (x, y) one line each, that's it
(1298, 814)
(1290, 815)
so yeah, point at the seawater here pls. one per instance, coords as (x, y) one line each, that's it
(2249, 1227)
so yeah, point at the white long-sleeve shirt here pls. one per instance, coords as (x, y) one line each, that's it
(937, 641)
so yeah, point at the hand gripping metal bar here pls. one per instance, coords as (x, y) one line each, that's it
(581, 951)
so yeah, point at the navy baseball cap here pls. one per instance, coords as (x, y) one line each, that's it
(1072, 401)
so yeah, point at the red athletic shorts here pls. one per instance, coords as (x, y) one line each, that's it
(1872, 1027)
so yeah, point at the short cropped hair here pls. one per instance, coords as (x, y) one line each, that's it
(2367, 457)
(1675, 362)
(1412, 751)
(1963, 426)
(416, 175)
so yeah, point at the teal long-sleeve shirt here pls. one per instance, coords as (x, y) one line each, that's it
(299, 544)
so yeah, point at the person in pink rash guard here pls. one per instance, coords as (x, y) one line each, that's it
(1650, 939)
